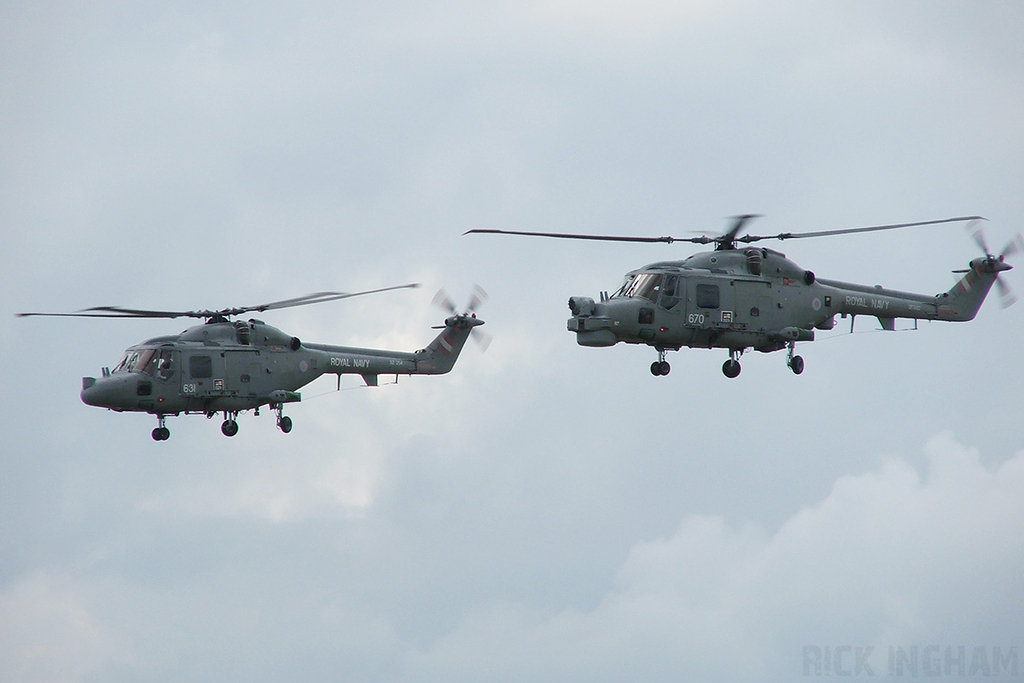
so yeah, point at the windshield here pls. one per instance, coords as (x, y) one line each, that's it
(624, 285)
(138, 360)
(644, 285)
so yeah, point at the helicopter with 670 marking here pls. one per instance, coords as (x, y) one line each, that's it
(231, 366)
(739, 297)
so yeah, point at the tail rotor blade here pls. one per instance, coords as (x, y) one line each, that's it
(478, 297)
(1014, 246)
(442, 300)
(482, 339)
(1006, 296)
(978, 235)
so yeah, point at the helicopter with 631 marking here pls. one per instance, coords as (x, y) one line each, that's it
(739, 296)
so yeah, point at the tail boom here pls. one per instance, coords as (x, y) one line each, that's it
(437, 358)
(960, 303)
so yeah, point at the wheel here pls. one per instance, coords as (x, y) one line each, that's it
(656, 368)
(731, 368)
(796, 365)
(665, 367)
(229, 428)
(161, 434)
(285, 424)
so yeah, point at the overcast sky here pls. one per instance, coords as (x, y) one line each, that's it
(546, 512)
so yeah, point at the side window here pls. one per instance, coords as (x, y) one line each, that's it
(707, 296)
(669, 293)
(200, 367)
(165, 370)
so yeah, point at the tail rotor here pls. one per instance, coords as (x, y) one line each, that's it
(468, 317)
(997, 264)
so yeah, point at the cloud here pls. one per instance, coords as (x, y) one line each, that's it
(49, 630)
(890, 557)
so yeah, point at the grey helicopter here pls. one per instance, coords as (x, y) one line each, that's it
(739, 297)
(232, 366)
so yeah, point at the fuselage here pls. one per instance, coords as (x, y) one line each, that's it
(238, 366)
(751, 298)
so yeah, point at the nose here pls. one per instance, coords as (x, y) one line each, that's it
(591, 323)
(108, 392)
(91, 394)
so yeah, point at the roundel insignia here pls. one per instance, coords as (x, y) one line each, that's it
(303, 366)
(816, 303)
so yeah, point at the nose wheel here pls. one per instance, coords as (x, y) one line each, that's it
(229, 427)
(161, 433)
(660, 367)
(731, 368)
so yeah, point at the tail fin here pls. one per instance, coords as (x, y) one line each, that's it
(964, 300)
(440, 355)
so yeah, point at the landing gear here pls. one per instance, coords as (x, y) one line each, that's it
(229, 427)
(731, 368)
(284, 423)
(161, 433)
(660, 366)
(795, 363)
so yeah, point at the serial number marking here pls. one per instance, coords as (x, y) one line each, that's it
(695, 319)
(189, 388)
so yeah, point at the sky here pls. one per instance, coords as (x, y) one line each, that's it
(545, 512)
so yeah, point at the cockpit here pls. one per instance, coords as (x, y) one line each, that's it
(146, 362)
(664, 289)
(644, 285)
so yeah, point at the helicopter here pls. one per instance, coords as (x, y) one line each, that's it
(232, 366)
(739, 297)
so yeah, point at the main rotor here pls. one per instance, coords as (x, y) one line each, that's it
(211, 316)
(731, 237)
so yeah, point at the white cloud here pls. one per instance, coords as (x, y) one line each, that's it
(49, 631)
(888, 558)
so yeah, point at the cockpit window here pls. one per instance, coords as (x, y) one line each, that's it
(120, 367)
(669, 292)
(626, 282)
(644, 285)
(141, 361)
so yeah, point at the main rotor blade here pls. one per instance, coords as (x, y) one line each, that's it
(704, 239)
(318, 298)
(728, 237)
(116, 312)
(850, 231)
(119, 312)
